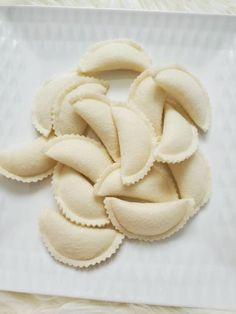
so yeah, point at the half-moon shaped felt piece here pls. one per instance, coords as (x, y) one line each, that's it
(118, 54)
(193, 178)
(45, 99)
(188, 91)
(156, 186)
(80, 153)
(76, 198)
(137, 140)
(148, 221)
(179, 139)
(96, 111)
(65, 120)
(27, 163)
(75, 245)
(146, 95)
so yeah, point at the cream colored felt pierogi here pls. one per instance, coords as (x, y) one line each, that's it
(27, 163)
(96, 111)
(117, 54)
(76, 198)
(188, 91)
(75, 245)
(156, 186)
(80, 153)
(148, 221)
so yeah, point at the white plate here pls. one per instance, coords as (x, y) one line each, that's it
(197, 267)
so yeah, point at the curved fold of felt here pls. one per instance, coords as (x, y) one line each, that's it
(156, 186)
(75, 245)
(148, 221)
(76, 198)
(27, 163)
(118, 54)
(96, 111)
(193, 178)
(137, 140)
(188, 91)
(179, 139)
(80, 153)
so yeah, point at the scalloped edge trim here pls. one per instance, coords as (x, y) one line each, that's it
(190, 213)
(131, 179)
(83, 263)
(100, 44)
(207, 125)
(38, 126)
(167, 175)
(56, 107)
(65, 209)
(32, 179)
(102, 177)
(180, 156)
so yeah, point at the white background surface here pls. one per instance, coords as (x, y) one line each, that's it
(197, 267)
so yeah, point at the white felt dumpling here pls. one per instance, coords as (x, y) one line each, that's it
(80, 153)
(146, 95)
(76, 245)
(118, 54)
(96, 111)
(148, 221)
(156, 186)
(179, 139)
(136, 139)
(188, 91)
(193, 178)
(45, 99)
(76, 198)
(65, 120)
(27, 163)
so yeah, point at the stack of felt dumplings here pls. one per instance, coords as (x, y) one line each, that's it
(129, 169)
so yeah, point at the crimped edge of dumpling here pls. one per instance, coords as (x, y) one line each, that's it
(82, 263)
(195, 78)
(131, 179)
(31, 179)
(65, 209)
(162, 236)
(175, 158)
(126, 41)
(56, 107)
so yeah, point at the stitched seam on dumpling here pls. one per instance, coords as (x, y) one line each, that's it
(66, 211)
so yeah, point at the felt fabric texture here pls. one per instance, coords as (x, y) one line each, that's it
(11, 302)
